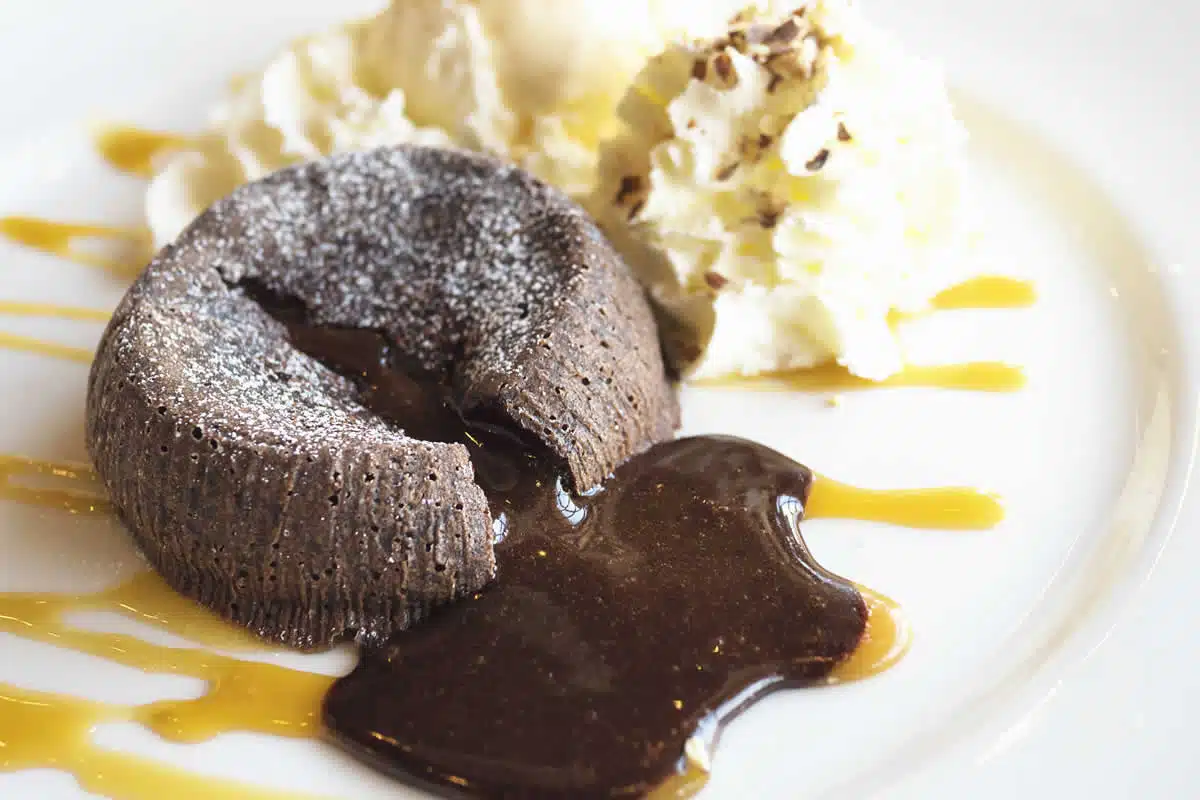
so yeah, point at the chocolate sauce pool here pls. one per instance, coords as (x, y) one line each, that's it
(622, 623)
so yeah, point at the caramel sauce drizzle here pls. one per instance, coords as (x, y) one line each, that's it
(18, 473)
(978, 376)
(986, 291)
(948, 508)
(886, 640)
(50, 730)
(241, 695)
(41, 730)
(979, 293)
(51, 311)
(137, 151)
(687, 783)
(62, 239)
(12, 341)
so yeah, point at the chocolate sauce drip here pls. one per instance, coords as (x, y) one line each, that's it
(622, 623)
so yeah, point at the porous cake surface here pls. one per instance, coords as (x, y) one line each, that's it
(262, 483)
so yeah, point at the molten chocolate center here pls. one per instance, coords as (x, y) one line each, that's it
(622, 623)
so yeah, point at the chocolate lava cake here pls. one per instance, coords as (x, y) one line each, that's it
(264, 482)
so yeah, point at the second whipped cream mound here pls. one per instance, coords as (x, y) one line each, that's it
(784, 187)
(533, 81)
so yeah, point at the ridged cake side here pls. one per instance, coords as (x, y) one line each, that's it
(260, 483)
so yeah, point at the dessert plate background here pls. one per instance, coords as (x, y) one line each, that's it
(1053, 656)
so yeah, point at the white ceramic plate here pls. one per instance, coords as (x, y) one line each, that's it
(1053, 655)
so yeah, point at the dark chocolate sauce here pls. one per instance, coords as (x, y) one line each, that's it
(620, 626)
(622, 623)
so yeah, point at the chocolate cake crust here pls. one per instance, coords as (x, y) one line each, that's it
(260, 482)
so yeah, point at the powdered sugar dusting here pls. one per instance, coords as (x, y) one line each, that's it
(412, 242)
(467, 265)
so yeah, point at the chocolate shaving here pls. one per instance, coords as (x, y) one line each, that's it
(726, 172)
(749, 37)
(723, 65)
(784, 34)
(630, 185)
(715, 280)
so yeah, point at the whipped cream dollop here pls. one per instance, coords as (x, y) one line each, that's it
(533, 81)
(782, 187)
(781, 177)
